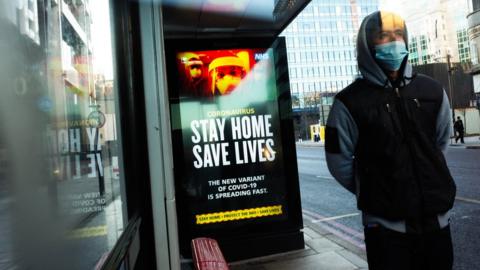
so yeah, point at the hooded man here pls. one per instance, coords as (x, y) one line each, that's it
(384, 140)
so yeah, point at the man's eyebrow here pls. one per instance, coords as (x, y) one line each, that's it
(382, 32)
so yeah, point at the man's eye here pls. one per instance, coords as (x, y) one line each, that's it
(221, 75)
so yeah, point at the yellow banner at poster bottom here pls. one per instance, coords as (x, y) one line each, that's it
(89, 232)
(257, 212)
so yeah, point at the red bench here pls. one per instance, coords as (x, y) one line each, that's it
(207, 255)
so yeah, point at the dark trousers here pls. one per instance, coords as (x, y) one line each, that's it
(391, 250)
(459, 136)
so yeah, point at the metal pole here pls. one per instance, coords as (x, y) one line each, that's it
(450, 91)
(323, 116)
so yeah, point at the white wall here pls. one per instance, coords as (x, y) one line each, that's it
(476, 81)
(470, 118)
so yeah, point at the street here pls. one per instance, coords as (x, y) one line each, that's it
(327, 204)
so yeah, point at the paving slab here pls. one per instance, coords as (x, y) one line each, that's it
(322, 245)
(324, 261)
(313, 234)
(274, 258)
(353, 258)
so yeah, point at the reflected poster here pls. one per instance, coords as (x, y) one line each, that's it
(232, 169)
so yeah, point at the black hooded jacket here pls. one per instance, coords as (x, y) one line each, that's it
(384, 141)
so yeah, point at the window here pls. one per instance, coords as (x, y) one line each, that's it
(291, 57)
(293, 72)
(294, 87)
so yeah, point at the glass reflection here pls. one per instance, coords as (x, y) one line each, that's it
(60, 175)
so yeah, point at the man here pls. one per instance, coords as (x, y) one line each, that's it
(384, 140)
(459, 130)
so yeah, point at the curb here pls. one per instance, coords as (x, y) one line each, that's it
(312, 144)
(465, 146)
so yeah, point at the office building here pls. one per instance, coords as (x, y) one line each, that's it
(322, 57)
(474, 37)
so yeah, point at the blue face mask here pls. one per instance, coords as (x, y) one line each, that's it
(390, 55)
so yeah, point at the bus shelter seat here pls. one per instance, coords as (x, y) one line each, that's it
(207, 254)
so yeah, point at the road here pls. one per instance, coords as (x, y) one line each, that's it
(330, 206)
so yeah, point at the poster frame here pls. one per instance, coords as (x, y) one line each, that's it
(263, 238)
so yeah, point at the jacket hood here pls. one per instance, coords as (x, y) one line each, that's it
(367, 65)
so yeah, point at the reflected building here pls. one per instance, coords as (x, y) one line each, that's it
(58, 141)
(322, 57)
(61, 29)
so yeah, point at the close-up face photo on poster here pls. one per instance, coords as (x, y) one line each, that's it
(220, 72)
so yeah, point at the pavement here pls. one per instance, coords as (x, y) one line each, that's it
(471, 142)
(323, 250)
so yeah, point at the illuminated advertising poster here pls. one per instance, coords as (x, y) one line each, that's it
(231, 136)
(234, 156)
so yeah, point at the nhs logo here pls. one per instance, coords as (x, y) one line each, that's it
(261, 56)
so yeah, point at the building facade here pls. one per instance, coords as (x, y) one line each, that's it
(436, 29)
(322, 57)
(474, 37)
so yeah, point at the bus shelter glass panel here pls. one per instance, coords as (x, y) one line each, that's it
(61, 188)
